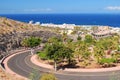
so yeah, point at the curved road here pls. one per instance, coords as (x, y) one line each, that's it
(22, 65)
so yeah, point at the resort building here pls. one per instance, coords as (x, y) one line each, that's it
(101, 31)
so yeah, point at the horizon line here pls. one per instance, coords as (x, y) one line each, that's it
(54, 13)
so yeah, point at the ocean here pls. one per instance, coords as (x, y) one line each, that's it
(77, 19)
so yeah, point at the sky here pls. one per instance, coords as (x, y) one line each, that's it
(59, 6)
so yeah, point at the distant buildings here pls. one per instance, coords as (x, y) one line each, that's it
(115, 30)
(101, 31)
(36, 23)
(30, 22)
(66, 26)
(97, 31)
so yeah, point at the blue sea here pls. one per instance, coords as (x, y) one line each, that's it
(78, 19)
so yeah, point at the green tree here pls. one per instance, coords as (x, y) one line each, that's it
(31, 42)
(51, 52)
(58, 52)
(65, 53)
(53, 40)
(81, 48)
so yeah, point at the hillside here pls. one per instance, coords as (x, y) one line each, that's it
(9, 25)
(13, 32)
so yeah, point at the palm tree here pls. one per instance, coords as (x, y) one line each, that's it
(80, 49)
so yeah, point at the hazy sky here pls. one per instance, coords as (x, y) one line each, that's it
(59, 6)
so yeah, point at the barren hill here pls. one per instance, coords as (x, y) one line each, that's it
(12, 32)
(9, 25)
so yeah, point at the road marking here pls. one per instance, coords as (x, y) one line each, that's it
(58, 73)
(20, 67)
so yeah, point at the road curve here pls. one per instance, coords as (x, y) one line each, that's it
(22, 65)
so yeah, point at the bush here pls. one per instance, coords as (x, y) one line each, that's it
(118, 48)
(88, 39)
(23, 27)
(48, 76)
(107, 60)
(31, 42)
(42, 55)
(79, 38)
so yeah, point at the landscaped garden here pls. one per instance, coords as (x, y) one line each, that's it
(87, 53)
(84, 53)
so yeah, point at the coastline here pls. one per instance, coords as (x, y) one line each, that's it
(78, 19)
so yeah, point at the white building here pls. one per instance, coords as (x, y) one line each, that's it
(66, 26)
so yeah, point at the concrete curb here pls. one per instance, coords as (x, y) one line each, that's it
(2, 60)
(5, 59)
(8, 70)
(36, 62)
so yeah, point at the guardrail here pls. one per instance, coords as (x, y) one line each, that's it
(10, 53)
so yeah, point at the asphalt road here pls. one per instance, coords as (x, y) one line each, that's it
(22, 65)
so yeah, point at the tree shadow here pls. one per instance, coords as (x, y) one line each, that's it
(2, 64)
(67, 66)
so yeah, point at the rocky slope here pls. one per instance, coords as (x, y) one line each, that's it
(12, 32)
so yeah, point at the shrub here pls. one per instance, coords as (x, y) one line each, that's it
(23, 27)
(48, 76)
(42, 55)
(31, 42)
(79, 38)
(107, 60)
(118, 48)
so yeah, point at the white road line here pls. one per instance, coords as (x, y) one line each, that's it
(17, 64)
